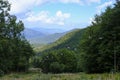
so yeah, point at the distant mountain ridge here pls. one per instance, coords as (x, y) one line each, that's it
(47, 39)
(70, 41)
(38, 38)
(29, 33)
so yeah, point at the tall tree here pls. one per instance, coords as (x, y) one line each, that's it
(15, 51)
(101, 42)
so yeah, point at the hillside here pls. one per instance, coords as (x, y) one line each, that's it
(70, 41)
(38, 38)
(45, 39)
(30, 33)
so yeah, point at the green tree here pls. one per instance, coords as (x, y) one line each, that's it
(58, 61)
(101, 42)
(15, 51)
(56, 67)
(68, 58)
(47, 60)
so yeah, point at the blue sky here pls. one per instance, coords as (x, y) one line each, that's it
(58, 14)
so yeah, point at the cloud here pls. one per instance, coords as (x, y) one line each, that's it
(44, 17)
(20, 6)
(88, 2)
(104, 5)
(71, 1)
(81, 2)
(94, 1)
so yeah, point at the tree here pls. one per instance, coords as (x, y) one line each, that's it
(15, 51)
(68, 58)
(47, 60)
(58, 61)
(56, 67)
(101, 42)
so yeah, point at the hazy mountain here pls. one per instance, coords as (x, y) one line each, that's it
(29, 33)
(70, 40)
(47, 39)
(48, 31)
(39, 38)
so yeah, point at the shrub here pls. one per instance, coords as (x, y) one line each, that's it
(56, 67)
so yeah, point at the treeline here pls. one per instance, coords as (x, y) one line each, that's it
(67, 45)
(69, 41)
(98, 51)
(56, 61)
(15, 51)
(101, 42)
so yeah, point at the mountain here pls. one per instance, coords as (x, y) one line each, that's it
(48, 31)
(38, 38)
(70, 41)
(30, 33)
(47, 39)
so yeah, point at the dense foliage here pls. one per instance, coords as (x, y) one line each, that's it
(101, 42)
(57, 61)
(69, 41)
(67, 44)
(96, 48)
(15, 51)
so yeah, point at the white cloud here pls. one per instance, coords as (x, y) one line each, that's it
(59, 14)
(88, 2)
(94, 1)
(71, 1)
(20, 6)
(44, 17)
(104, 5)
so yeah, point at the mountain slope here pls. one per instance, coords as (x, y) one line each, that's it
(46, 39)
(70, 41)
(29, 33)
(38, 38)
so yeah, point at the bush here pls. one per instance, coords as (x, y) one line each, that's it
(68, 58)
(56, 67)
(58, 61)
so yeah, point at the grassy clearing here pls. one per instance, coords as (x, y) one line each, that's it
(63, 76)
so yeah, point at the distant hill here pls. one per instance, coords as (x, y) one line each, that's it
(30, 33)
(38, 38)
(48, 39)
(48, 31)
(70, 41)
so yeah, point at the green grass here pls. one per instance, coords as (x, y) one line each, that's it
(63, 76)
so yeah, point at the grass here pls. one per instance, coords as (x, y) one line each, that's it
(63, 76)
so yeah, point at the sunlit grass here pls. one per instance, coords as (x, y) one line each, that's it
(63, 76)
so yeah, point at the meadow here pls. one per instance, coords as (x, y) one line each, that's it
(62, 76)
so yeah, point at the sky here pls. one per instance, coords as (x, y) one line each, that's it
(58, 14)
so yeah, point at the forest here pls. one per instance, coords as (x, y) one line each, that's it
(15, 50)
(94, 49)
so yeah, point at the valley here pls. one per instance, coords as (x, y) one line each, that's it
(40, 38)
(46, 40)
